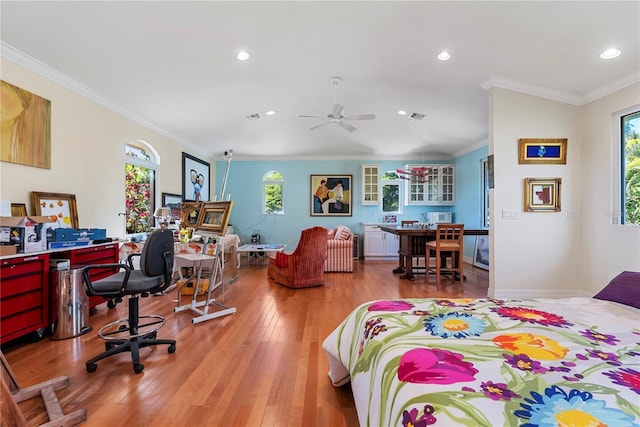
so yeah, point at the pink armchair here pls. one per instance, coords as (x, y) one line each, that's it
(339, 251)
(304, 266)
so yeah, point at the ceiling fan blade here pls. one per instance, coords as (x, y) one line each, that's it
(361, 117)
(320, 125)
(313, 117)
(347, 126)
(337, 110)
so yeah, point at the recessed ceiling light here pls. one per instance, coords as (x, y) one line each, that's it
(270, 113)
(402, 113)
(242, 55)
(610, 53)
(444, 56)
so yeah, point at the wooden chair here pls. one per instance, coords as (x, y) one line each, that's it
(304, 267)
(448, 244)
(418, 249)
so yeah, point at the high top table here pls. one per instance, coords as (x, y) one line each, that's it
(412, 243)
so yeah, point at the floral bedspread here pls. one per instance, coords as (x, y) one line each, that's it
(487, 362)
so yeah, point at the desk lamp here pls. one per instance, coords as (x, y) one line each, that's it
(163, 215)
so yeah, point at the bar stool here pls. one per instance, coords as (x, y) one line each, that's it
(448, 244)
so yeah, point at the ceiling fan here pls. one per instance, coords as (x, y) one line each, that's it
(335, 116)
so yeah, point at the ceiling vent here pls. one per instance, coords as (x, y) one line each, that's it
(254, 117)
(416, 116)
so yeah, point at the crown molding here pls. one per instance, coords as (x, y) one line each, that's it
(531, 89)
(9, 52)
(482, 143)
(557, 95)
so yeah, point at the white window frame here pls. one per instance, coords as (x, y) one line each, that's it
(399, 183)
(617, 181)
(151, 164)
(266, 183)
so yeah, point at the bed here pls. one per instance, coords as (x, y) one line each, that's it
(490, 362)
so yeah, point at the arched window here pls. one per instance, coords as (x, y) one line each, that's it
(391, 192)
(141, 161)
(272, 189)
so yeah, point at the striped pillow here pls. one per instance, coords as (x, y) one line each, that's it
(342, 233)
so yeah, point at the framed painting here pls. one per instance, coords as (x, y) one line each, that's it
(331, 195)
(542, 194)
(542, 151)
(195, 179)
(189, 212)
(60, 207)
(214, 217)
(26, 127)
(481, 252)
(172, 201)
(18, 209)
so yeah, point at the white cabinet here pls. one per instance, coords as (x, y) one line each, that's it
(370, 184)
(430, 185)
(379, 244)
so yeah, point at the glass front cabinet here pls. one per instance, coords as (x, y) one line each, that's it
(370, 184)
(430, 185)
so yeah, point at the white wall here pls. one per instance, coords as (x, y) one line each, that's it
(546, 254)
(607, 249)
(87, 154)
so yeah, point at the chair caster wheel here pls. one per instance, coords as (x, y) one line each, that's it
(91, 367)
(111, 304)
(122, 328)
(138, 367)
(172, 348)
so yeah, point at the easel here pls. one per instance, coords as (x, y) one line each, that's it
(11, 394)
(215, 282)
(216, 279)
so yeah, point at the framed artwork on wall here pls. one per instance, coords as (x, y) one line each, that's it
(542, 151)
(331, 195)
(542, 194)
(60, 207)
(195, 179)
(26, 117)
(172, 201)
(214, 217)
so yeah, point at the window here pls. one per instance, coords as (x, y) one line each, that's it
(140, 188)
(391, 189)
(272, 185)
(630, 168)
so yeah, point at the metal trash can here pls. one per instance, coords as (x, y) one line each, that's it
(72, 307)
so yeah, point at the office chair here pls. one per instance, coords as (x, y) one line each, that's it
(154, 275)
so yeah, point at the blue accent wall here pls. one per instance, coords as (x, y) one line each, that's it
(468, 208)
(244, 184)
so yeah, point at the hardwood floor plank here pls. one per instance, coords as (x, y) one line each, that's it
(263, 366)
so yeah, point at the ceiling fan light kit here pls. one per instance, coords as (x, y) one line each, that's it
(336, 116)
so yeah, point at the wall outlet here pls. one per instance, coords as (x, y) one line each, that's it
(571, 214)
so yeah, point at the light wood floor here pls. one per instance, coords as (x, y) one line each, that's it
(263, 366)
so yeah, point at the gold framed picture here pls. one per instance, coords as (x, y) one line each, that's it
(60, 207)
(189, 212)
(542, 194)
(542, 151)
(214, 217)
(18, 209)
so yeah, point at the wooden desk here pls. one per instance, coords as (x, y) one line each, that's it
(412, 243)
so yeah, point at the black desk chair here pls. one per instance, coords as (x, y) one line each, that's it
(156, 269)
